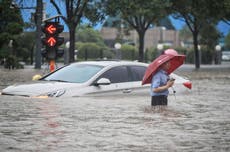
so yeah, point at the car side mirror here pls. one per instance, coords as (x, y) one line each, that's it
(103, 81)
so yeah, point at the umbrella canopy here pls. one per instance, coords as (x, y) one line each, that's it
(169, 55)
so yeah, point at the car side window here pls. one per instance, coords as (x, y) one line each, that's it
(116, 74)
(137, 72)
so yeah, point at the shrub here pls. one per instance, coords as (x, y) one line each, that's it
(92, 51)
(128, 52)
(151, 54)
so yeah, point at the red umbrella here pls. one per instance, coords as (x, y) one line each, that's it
(169, 55)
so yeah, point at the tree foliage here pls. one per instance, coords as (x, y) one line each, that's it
(88, 34)
(166, 22)
(219, 9)
(209, 36)
(25, 50)
(92, 51)
(227, 41)
(11, 22)
(75, 11)
(140, 14)
(10, 29)
(90, 44)
(197, 15)
(185, 34)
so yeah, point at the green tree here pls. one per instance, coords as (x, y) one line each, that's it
(25, 4)
(197, 14)
(227, 41)
(219, 9)
(140, 14)
(185, 34)
(209, 37)
(11, 22)
(88, 34)
(74, 12)
(25, 46)
(166, 22)
(10, 29)
(91, 50)
(90, 44)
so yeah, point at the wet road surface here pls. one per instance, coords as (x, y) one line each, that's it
(196, 121)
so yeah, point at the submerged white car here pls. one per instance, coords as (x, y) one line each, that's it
(92, 78)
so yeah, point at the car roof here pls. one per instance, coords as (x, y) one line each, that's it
(111, 63)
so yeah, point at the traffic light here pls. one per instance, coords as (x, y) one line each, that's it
(52, 41)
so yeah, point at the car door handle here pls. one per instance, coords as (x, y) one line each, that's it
(127, 90)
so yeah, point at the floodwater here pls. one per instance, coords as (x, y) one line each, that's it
(196, 121)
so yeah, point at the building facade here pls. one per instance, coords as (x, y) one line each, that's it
(153, 37)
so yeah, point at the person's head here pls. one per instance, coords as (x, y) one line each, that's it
(165, 66)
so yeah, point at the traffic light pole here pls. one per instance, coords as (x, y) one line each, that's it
(38, 34)
(52, 65)
(54, 17)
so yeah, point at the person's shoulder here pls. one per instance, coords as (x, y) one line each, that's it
(158, 74)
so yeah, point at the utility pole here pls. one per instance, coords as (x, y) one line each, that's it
(38, 21)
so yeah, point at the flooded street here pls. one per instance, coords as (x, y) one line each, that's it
(195, 121)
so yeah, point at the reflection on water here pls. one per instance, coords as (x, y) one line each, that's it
(193, 122)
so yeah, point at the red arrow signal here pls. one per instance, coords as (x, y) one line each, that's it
(51, 29)
(51, 41)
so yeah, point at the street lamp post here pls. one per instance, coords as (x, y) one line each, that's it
(75, 55)
(117, 46)
(10, 45)
(159, 49)
(162, 29)
(160, 44)
(66, 52)
(218, 54)
(200, 53)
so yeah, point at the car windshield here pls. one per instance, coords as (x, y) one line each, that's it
(79, 73)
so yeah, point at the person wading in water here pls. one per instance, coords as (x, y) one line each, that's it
(159, 86)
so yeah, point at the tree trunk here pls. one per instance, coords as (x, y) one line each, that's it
(196, 50)
(72, 45)
(32, 54)
(141, 45)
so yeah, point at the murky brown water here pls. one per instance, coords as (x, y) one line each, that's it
(197, 121)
